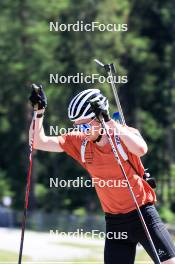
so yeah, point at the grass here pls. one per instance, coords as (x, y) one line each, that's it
(96, 254)
(7, 256)
(142, 256)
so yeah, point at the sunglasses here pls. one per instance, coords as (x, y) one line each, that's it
(84, 127)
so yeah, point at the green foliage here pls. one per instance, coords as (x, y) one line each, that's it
(4, 186)
(40, 194)
(80, 211)
(166, 215)
(29, 53)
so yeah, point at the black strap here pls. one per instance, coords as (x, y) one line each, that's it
(150, 180)
(97, 139)
(40, 115)
(130, 163)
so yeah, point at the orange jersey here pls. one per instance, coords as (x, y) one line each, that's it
(101, 164)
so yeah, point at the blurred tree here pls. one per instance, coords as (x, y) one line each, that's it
(30, 52)
(148, 58)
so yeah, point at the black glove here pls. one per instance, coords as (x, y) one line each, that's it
(38, 97)
(101, 108)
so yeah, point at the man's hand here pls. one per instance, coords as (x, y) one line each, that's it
(38, 97)
(101, 108)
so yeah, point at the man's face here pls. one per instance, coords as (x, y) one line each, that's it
(93, 132)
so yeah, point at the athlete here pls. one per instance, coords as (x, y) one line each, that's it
(90, 147)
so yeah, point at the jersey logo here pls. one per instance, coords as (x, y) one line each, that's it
(120, 148)
(161, 252)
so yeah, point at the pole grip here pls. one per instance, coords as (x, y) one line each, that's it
(35, 108)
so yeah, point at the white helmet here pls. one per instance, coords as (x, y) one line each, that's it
(80, 108)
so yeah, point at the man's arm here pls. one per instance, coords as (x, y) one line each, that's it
(134, 142)
(131, 138)
(43, 142)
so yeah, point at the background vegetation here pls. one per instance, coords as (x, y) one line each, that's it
(29, 53)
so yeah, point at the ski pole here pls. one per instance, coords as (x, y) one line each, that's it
(119, 116)
(131, 191)
(26, 203)
(111, 71)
